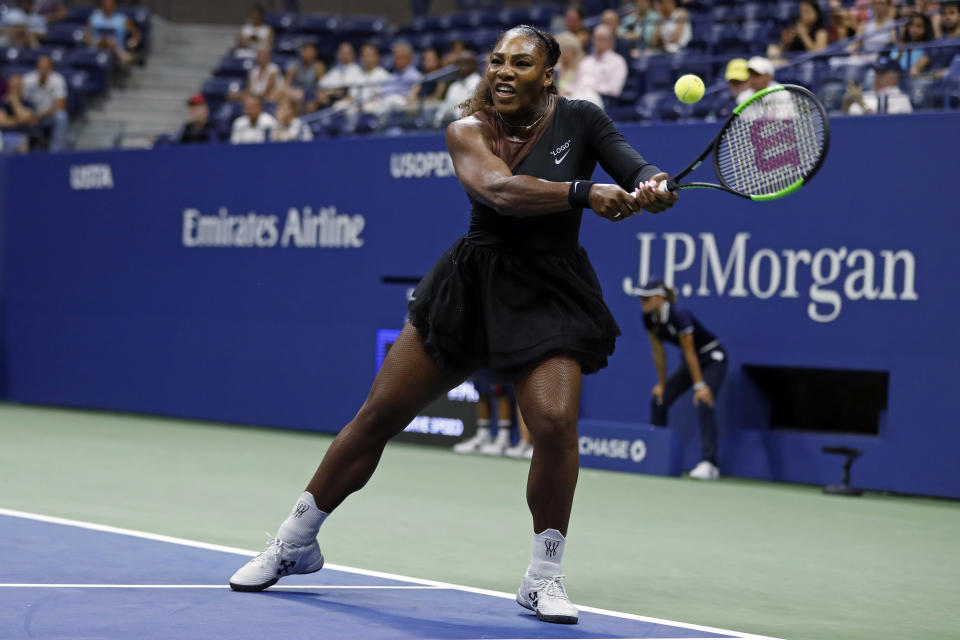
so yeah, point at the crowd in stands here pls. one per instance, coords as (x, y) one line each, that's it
(55, 57)
(297, 77)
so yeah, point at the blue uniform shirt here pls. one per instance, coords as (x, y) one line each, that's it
(671, 322)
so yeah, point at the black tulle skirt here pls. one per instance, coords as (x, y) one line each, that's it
(485, 308)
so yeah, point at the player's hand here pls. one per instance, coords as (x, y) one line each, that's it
(651, 199)
(658, 393)
(613, 203)
(703, 394)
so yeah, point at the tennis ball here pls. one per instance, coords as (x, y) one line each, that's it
(689, 88)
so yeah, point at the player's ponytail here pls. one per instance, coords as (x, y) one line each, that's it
(483, 95)
(671, 294)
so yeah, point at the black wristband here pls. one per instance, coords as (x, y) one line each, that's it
(579, 195)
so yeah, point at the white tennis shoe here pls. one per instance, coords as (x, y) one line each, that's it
(278, 559)
(522, 449)
(706, 470)
(547, 598)
(474, 444)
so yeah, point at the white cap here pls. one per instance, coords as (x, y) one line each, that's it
(760, 65)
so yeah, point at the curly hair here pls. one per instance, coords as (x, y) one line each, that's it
(483, 97)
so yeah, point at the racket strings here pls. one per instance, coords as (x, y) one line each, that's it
(772, 144)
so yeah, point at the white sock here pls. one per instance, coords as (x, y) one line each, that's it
(303, 524)
(483, 429)
(503, 431)
(547, 553)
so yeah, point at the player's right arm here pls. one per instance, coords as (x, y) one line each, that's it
(660, 363)
(488, 179)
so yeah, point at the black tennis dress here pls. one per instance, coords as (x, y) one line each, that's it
(515, 290)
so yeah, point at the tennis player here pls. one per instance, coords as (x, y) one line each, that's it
(704, 367)
(516, 295)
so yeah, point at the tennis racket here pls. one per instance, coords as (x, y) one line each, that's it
(771, 145)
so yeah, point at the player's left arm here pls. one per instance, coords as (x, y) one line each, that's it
(627, 167)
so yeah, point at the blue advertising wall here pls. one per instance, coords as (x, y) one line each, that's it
(245, 284)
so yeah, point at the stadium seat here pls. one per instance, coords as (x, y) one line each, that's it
(363, 26)
(831, 92)
(281, 22)
(64, 34)
(322, 25)
(216, 89)
(233, 67)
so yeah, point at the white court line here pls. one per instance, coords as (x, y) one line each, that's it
(363, 572)
(204, 586)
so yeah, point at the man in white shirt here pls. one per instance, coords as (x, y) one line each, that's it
(345, 74)
(47, 90)
(886, 96)
(254, 126)
(605, 71)
(460, 90)
(372, 80)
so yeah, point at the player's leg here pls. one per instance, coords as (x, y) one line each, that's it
(549, 397)
(678, 382)
(408, 380)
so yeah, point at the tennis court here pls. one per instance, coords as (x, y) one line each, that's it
(674, 558)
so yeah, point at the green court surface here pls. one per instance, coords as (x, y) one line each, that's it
(764, 558)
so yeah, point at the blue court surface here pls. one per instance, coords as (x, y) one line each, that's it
(67, 579)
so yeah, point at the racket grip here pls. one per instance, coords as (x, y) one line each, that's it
(668, 185)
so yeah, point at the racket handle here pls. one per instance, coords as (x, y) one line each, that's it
(668, 185)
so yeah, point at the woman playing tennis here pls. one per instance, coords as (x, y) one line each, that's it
(516, 295)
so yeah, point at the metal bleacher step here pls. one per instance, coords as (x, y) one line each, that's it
(151, 100)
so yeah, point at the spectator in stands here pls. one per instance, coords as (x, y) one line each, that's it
(807, 33)
(345, 74)
(304, 75)
(111, 30)
(737, 76)
(254, 125)
(460, 90)
(265, 77)
(51, 10)
(290, 128)
(877, 32)
(928, 8)
(914, 61)
(366, 93)
(573, 19)
(611, 18)
(604, 71)
(198, 129)
(23, 25)
(47, 91)
(886, 96)
(430, 91)
(453, 53)
(842, 25)
(399, 89)
(673, 31)
(568, 66)
(761, 75)
(15, 111)
(639, 26)
(940, 57)
(256, 34)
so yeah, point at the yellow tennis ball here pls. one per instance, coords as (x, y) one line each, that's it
(689, 88)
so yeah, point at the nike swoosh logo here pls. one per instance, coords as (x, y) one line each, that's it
(560, 159)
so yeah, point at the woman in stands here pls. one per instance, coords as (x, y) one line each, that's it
(704, 367)
(516, 295)
(808, 33)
